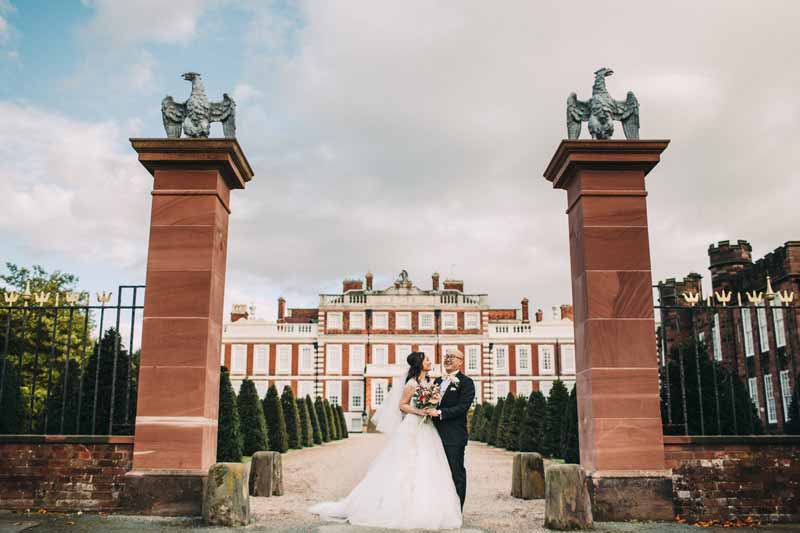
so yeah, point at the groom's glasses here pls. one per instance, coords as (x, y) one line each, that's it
(452, 356)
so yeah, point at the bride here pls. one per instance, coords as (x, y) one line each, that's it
(408, 485)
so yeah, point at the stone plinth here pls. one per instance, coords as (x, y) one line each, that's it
(176, 422)
(616, 363)
(527, 476)
(567, 503)
(226, 501)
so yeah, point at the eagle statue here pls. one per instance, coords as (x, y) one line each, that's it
(601, 110)
(196, 114)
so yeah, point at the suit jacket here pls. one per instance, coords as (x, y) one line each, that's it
(456, 402)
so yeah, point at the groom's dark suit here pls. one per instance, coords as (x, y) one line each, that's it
(452, 427)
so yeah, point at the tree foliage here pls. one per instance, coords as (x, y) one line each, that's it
(570, 447)
(306, 430)
(292, 418)
(276, 423)
(551, 434)
(229, 436)
(475, 423)
(12, 414)
(487, 413)
(251, 419)
(504, 426)
(322, 417)
(333, 425)
(497, 416)
(515, 423)
(313, 416)
(530, 435)
(343, 433)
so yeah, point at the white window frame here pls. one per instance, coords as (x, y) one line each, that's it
(356, 393)
(222, 356)
(473, 351)
(426, 320)
(280, 385)
(501, 389)
(283, 359)
(752, 387)
(333, 392)
(401, 352)
(747, 330)
(261, 387)
(358, 320)
(378, 349)
(786, 393)
(769, 395)
(236, 385)
(238, 358)
(524, 361)
(545, 387)
(527, 387)
(501, 359)
(261, 359)
(478, 396)
(305, 388)
(779, 323)
(306, 366)
(546, 354)
(717, 338)
(380, 320)
(357, 358)
(376, 383)
(472, 320)
(333, 358)
(763, 330)
(402, 321)
(567, 358)
(334, 321)
(449, 321)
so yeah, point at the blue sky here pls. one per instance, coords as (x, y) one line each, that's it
(389, 136)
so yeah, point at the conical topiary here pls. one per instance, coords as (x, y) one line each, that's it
(570, 448)
(276, 423)
(497, 416)
(487, 413)
(515, 425)
(504, 426)
(291, 417)
(551, 435)
(316, 430)
(251, 419)
(343, 433)
(306, 431)
(333, 425)
(530, 434)
(229, 436)
(475, 423)
(322, 417)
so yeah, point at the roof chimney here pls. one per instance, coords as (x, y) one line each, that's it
(435, 281)
(539, 315)
(525, 311)
(556, 313)
(281, 308)
(239, 312)
(566, 312)
(369, 280)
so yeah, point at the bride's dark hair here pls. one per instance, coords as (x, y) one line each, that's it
(414, 361)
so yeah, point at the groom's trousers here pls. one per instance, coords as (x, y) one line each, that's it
(455, 458)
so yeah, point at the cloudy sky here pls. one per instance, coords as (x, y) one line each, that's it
(391, 135)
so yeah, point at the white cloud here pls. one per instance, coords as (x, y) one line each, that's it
(140, 74)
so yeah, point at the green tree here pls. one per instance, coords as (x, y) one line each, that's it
(306, 430)
(64, 401)
(570, 447)
(504, 427)
(292, 418)
(276, 423)
(497, 416)
(12, 414)
(487, 413)
(316, 428)
(251, 419)
(322, 417)
(551, 435)
(229, 436)
(475, 423)
(530, 434)
(333, 425)
(343, 433)
(792, 426)
(515, 423)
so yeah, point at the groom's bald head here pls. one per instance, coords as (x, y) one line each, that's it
(453, 360)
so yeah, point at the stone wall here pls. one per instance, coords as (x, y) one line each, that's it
(63, 473)
(729, 478)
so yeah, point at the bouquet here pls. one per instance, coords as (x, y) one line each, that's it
(425, 397)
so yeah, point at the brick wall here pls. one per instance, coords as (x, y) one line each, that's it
(730, 478)
(60, 473)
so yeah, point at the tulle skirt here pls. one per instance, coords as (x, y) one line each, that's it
(407, 486)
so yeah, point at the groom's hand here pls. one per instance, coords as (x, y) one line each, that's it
(432, 412)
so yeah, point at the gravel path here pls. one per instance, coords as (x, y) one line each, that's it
(332, 470)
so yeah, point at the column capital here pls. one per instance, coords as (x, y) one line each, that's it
(223, 155)
(572, 156)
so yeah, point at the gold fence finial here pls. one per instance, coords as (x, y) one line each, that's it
(691, 298)
(755, 297)
(723, 297)
(786, 297)
(41, 297)
(11, 297)
(104, 297)
(72, 297)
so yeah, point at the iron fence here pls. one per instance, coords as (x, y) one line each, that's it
(728, 369)
(68, 366)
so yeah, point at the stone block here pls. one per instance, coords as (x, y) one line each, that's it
(567, 502)
(266, 474)
(226, 501)
(527, 477)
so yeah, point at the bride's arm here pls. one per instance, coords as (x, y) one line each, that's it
(405, 401)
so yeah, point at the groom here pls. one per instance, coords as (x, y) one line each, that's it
(450, 418)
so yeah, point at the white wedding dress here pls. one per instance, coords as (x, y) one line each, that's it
(408, 485)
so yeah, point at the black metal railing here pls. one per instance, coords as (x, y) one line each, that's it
(68, 366)
(728, 369)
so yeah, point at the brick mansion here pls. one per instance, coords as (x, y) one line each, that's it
(353, 346)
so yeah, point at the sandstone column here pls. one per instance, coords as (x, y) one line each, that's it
(617, 369)
(176, 419)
